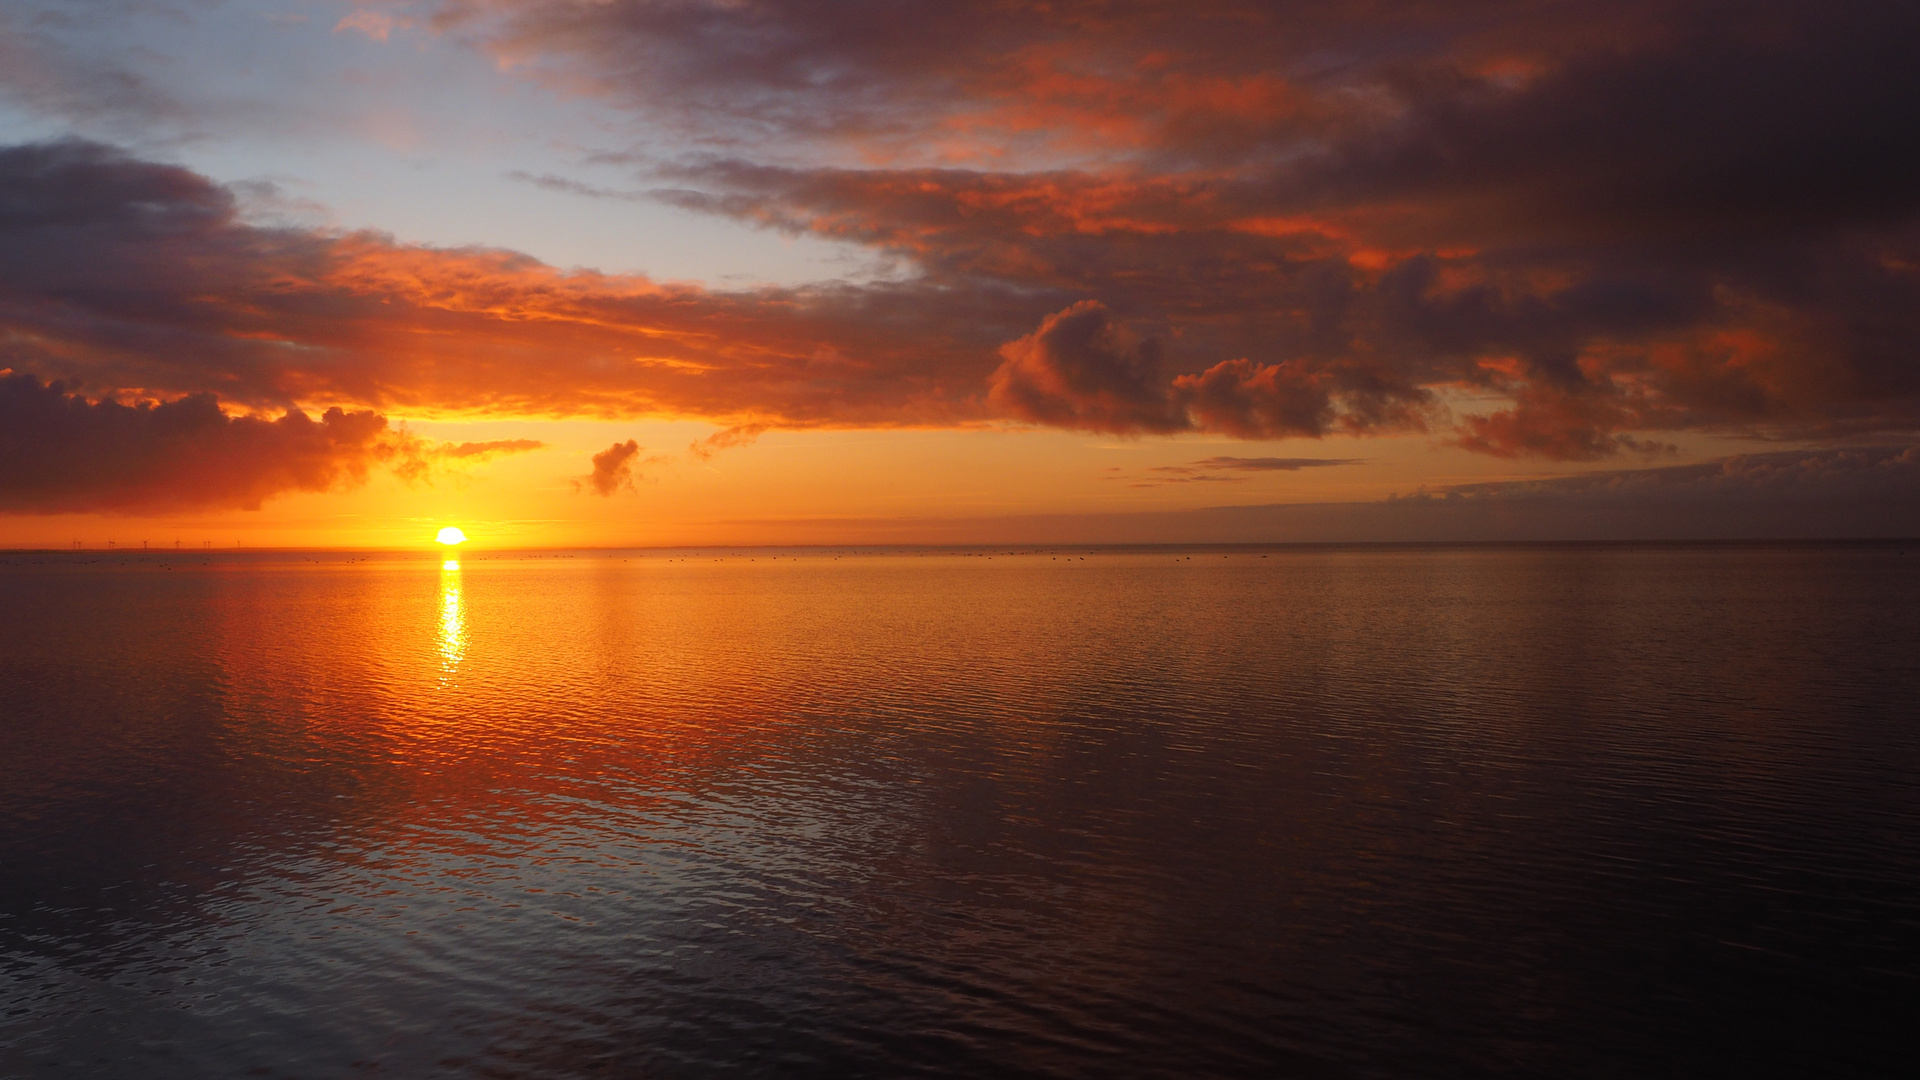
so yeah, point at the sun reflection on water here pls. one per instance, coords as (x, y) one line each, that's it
(1126, 767)
(453, 622)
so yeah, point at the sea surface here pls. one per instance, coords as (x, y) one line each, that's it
(1572, 811)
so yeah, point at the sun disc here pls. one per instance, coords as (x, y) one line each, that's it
(452, 535)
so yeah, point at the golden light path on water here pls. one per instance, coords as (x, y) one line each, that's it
(453, 623)
(453, 626)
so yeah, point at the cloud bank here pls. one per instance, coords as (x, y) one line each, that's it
(62, 453)
(1567, 231)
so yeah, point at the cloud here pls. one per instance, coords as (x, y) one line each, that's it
(482, 451)
(376, 25)
(726, 439)
(42, 73)
(1558, 425)
(1568, 231)
(1270, 464)
(61, 453)
(1181, 476)
(1626, 218)
(1268, 401)
(1206, 469)
(1082, 370)
(567, 186)
(1326, 330)
(975, 76)
(612, 469)
(417, 460)
(1508, 98)
(122, 273)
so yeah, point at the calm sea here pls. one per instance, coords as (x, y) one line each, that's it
(1418, 812)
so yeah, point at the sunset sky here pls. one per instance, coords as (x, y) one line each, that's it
(612, 272)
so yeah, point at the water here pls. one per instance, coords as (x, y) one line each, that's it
(1574, 811)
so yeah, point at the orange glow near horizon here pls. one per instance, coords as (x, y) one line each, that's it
(814, 487)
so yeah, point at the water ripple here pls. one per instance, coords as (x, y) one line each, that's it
(1373, 812)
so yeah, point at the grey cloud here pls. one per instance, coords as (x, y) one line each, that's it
(42, 73)
(569, 186)
(62, 453)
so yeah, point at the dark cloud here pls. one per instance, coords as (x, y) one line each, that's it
(1323, 331)
(1207, 470)
(1270, 464)
(1214, 79)
(117, 273)
(1631, 218)
(1082, 370)
(1692, 125)
(1271, 401)
(61, 453)
(1557, 425)
(121, 273)
(612, 469)
(1695, 112)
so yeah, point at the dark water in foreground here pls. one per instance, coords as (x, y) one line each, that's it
(1602, 811)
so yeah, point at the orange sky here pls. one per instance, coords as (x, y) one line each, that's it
(808, 487)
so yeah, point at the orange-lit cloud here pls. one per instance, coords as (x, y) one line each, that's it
(130, 276)
(613, 469)
(725, 439)
(481, 451)
(1080, 370)
(374, 24)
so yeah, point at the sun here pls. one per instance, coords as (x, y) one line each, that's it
(451, 535)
